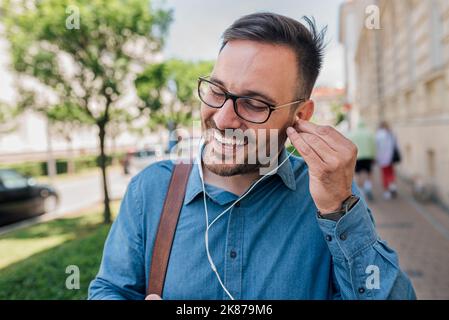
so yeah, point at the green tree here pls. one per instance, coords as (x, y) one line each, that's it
(337, 108)
(7, 118)
(177, 78)
(84, 54)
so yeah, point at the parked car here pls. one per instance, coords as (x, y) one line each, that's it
(21, 197)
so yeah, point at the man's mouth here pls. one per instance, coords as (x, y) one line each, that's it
(227, 146)
(228, 142)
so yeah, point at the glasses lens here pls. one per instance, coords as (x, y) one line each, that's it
(252, 110)
(211, 94)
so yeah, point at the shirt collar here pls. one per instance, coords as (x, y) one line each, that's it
(285, 172)
(194, 186)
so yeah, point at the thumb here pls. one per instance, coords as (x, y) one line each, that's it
(153, 297)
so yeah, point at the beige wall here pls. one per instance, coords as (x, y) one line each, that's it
(425, 152)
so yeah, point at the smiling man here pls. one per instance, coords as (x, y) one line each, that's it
(300, 233)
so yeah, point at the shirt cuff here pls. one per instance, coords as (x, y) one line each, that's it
(350, 235)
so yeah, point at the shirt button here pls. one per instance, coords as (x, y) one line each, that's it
(361, 290)
(328, 238)
(233, 254)
(343, 236)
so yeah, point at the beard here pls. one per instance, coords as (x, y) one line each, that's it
(243, 156)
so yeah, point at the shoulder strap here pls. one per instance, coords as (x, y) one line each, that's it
(167, 227)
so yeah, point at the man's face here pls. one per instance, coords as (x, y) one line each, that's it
(263, 71)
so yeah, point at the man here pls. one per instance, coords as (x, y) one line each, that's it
(302, 233)
(363, 138)
(386, 146)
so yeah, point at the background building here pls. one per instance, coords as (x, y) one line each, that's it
(329, 105)
(401, 74)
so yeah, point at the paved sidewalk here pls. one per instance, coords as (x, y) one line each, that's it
(420, 234)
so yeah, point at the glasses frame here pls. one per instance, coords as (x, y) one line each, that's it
(234, 99)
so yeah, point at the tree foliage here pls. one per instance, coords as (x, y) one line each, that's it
(84, 55)
(169, 89)
(8, 116)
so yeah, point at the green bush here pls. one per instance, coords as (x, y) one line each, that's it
(108, 161)
(61, 166)
(33, 169)
(85, 162)
(36, 169)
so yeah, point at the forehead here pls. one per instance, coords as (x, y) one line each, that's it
(250, 65)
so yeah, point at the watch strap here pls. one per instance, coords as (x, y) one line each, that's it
(347, 205)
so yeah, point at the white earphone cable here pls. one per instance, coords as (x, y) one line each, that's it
(208, 226)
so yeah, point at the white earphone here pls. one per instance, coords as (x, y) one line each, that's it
(208, 226)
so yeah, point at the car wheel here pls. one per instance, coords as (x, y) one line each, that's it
(50, 204)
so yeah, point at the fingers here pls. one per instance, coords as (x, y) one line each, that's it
(312, 143)
(309, 155)
(332, 137)
(321, 148)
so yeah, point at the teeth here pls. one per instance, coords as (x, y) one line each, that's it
(229, 141)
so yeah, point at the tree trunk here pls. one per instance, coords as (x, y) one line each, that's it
(107, 209)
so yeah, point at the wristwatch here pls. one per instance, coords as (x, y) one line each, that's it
(347, 205)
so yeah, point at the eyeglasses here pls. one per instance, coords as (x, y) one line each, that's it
(250, 109)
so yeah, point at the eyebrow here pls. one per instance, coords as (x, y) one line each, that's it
(248, 93)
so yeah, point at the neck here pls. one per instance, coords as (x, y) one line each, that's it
(236, 184)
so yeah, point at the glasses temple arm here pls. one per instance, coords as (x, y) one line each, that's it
(288, 104)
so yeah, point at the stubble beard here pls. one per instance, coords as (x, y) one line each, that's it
(211, 159)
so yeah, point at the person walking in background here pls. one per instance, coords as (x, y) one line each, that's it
(363, 138)
(386, 155)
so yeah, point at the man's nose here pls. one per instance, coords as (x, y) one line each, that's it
(226, 118)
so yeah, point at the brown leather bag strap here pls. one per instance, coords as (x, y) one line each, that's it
(167, 227)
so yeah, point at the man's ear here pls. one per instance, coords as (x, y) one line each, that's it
(305, 111)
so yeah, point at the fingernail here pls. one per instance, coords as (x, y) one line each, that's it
(290, 130)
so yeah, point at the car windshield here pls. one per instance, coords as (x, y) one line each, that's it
(12, 179)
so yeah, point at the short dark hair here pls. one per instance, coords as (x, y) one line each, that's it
(306, 42)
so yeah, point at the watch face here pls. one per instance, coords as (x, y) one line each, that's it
(350, 202)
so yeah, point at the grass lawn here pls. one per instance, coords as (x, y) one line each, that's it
(33, 260)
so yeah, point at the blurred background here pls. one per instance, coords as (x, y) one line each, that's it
(91, 92)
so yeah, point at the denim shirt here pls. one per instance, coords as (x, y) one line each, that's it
(272, 246)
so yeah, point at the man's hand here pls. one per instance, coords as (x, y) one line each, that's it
(331, 160)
